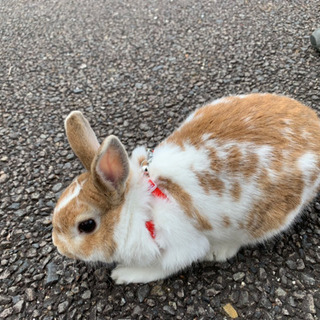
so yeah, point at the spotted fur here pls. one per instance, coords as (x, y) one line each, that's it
(237, 172)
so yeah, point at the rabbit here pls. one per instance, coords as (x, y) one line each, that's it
(236, 172)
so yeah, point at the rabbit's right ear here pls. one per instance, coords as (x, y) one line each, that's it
(110, 167)
(82, 139)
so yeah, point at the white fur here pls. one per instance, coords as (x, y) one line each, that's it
(307, 163)
(68, 198)
(287, 121)
(288, 133)
(247, 119)
(96, 255)
(205, 137)
(220, 100)
(241, 96)
(306, 135)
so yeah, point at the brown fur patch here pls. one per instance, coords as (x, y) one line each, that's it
(210, 183)
(234, 160)
(277, 161)
(216, 164)
(250, 165)
(236, 191)
(241, 225)
(185, 202)
(226, 222)
(142, 160)
(279, 199)
(315, 176)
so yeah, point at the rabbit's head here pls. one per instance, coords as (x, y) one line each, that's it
(88, 210)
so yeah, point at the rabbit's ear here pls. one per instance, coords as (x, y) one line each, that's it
(110, 168)
(82, 139)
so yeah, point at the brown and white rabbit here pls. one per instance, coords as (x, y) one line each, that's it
(237, 172)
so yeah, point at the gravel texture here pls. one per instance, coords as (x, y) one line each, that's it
(136, 69)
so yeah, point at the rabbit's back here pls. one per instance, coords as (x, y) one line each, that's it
(263, 163)
(261, 119)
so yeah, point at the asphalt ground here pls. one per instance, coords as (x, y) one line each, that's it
(136, 69)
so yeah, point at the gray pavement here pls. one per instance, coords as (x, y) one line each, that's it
(136, 69)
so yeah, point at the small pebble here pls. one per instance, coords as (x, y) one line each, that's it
(230, 311)
(77, 90)
(86, 295)
(157, 291)
(143, 292)
(52, 276)
(6, 313)
(280, 292)
(62, 307)
(169, 310)
(30, 294)
(308, 304)
(238, 276)
(4, 299)
(262, 274)
(57, 187)
(17, 308)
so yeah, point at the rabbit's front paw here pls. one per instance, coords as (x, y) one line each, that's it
(124, 275)
(224, 252)
(209, 257)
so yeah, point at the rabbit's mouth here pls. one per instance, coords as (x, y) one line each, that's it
(61, 247)
(66, 253)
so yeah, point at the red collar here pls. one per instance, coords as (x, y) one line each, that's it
(151, 229)
(153, 189)
(156, 192)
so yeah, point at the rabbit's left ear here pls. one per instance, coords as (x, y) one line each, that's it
(82, 139)
(110, 167)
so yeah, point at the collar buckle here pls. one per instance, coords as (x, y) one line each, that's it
(145, 163)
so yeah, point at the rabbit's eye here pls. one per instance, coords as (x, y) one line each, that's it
(87, 226)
